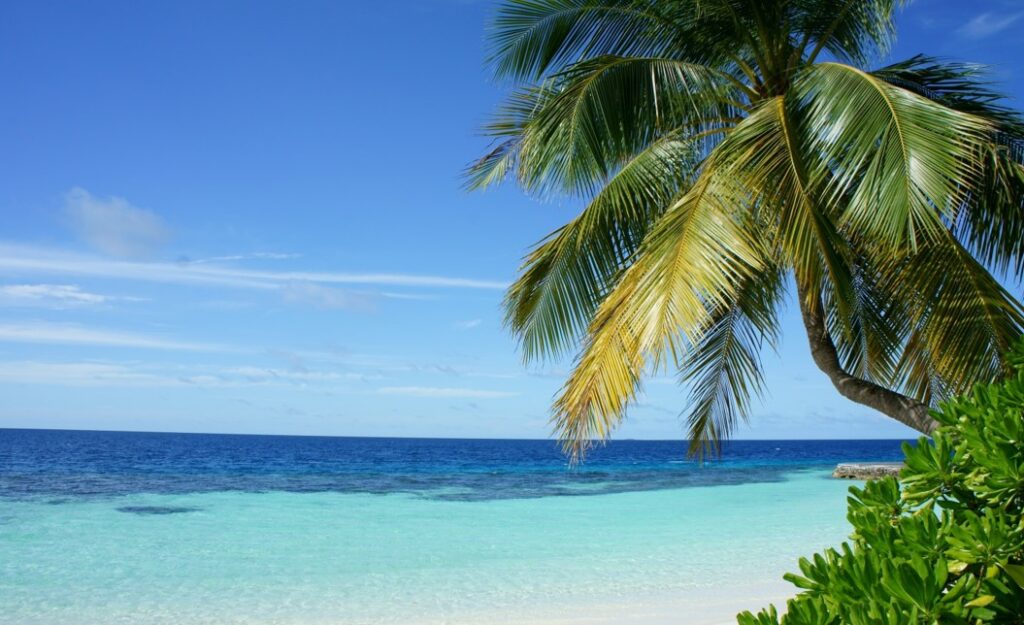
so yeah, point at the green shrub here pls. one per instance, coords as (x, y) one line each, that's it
(945, 544)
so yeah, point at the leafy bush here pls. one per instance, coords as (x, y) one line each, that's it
(945, 544)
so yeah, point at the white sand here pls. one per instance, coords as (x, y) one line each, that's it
(706, 607)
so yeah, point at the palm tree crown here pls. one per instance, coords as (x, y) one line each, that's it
(726, 149)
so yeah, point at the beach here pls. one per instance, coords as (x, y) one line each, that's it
(345, 559)
(696, 551)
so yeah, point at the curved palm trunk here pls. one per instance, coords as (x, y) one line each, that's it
(906, 410)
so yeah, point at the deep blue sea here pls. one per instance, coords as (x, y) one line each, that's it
(119, 527)
(67, 463)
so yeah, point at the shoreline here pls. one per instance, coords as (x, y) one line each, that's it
(693, 606)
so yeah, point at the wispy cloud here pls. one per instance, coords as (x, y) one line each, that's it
(469, 324)
(238, 257)
(433, 391)
(26, 260)
(137, 374)
(409, 296)
(326, 297)
(265, 374)
(82, 374)
(988, 23)
(113, 226)
(57, 296)
(67, 334)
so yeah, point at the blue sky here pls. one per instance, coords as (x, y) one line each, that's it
(247, 217)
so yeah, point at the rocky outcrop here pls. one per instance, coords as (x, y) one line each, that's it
(867, 470)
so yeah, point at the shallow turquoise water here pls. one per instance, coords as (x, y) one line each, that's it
(348, 558)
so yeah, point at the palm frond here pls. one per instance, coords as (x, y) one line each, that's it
(565, 277)
(850, 30)
(963, 321)
(608, 108)
(881, 145)
(963, 87)
(533, 37)
(724, 366)
(692, 261)
(508, 130)
(570, 134)
(991, 223)
(869, 340)
(915, 373)
(494, 167)
(770, 163)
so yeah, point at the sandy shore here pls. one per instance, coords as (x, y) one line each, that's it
(691, 607)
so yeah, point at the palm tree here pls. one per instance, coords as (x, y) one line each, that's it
(726, 150)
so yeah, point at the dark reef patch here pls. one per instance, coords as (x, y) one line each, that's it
(157, 510)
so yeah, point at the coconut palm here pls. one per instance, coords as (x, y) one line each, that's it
(728, 151)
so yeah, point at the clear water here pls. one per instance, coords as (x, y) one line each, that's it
(102, 527)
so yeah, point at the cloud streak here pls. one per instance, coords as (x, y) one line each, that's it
(433, 391)
(987, 24)
(237, 257)
(326, 297)
(55, 296)
(67, 334)
(81, 374)
(28, 260)
(267, 374)
(135, 374)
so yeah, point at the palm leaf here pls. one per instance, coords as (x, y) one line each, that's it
(770, 163)
(962, 87)
(871, 335)
(880, 145)
(607, 109)
(992, 219)
(508, 130)
(565, 277)
(963, 321)
(574, 131)
(694, 259)
(531, 38)
(850, 30)
(724, 366)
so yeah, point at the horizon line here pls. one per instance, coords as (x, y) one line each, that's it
(439, 438)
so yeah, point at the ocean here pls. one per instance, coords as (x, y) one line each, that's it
(119, 527)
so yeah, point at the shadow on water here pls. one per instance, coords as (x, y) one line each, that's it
(157, 510)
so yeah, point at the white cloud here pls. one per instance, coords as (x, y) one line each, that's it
(409, 296)
(267, 374)
(28, 260)
(469, 324)
(54, 296)
(237, 257)
(113, 226)
(326, 297)
(65, 334)
(433, 391)
(988, 24)
(81, 374)
(137, 374)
